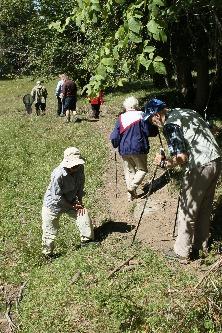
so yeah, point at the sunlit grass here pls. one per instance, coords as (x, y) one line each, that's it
(152, 297)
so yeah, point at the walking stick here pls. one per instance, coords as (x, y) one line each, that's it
(116, 171)
(144, 206)
(175, 222)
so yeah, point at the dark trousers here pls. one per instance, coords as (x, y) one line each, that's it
(95, 110)
(40, 107)
(59, 109)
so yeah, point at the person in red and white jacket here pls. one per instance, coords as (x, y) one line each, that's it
(95, 104)
(130, 135)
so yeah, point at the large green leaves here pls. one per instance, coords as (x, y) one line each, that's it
(134, 25)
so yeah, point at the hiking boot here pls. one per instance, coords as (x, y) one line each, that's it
(173, 256)
(50, 256)
(131, 195)
(88, 243)
(195, 254)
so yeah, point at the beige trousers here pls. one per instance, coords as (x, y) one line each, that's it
(196, 198)
(135, 169)
(50, 226)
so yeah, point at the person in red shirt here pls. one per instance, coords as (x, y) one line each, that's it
(95, 104)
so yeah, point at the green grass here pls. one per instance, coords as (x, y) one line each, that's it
(152, 297)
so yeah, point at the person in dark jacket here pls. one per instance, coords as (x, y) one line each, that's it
(69, 95)
(130, 135)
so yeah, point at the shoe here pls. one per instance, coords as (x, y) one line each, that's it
(50, 256)
(173, 256)
(131, 195)
(89, 242)
(195, 254)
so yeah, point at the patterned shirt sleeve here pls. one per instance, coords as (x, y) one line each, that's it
(175, 139)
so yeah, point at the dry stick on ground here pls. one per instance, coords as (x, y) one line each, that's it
(12, 326)
(215, 267)
(120, 266)
(76, 277)
(20, 294)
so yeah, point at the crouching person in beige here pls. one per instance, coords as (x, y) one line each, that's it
(64, 195)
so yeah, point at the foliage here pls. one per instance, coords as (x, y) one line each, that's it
(127, 32)
(14, 39)
(110, 43)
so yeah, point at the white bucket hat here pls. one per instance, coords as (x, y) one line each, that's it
(71, 158)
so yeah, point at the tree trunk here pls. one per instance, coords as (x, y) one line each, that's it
(182, 54)
(202, 84)
(185, 79)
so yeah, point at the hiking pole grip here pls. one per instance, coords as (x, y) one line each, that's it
(144, 206)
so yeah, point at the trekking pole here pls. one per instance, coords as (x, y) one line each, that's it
(144, 206)
(116, 172)
(175, 222)
(168, 171)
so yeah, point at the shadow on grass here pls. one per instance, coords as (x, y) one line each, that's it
(109, 227)
(79, 118)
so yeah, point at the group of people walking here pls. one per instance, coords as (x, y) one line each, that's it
(66, 94)
(191, 145)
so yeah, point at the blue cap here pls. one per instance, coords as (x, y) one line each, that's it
(153, 106)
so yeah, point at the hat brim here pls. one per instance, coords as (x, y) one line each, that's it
(69, 163)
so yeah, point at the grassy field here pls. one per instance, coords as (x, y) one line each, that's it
(74, 293)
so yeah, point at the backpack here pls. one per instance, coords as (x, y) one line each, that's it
(41, 93)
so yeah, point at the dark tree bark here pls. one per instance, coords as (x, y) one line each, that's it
(182, 53)
(202, 83)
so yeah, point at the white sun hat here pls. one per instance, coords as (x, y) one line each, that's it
(71, 158)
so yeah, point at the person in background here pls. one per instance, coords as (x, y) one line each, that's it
(130, 135)
(58, 93)
(193, 147)
(39, 95)
(65, 195)
(95, 104)
(69, 95)
(28, 100)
